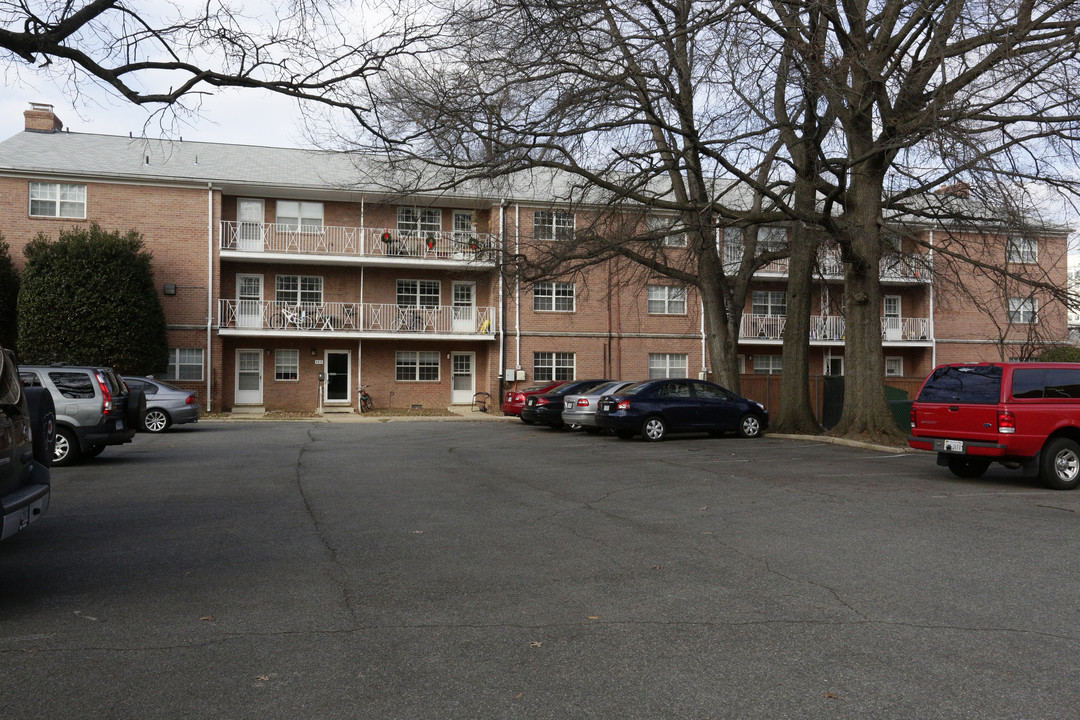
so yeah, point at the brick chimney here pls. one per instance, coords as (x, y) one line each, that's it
(41, 118)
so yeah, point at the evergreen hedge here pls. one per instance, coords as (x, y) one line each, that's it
(9, 295)
(1061, 353)
(89, 299)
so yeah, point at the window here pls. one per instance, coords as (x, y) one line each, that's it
(557, 296)
(768, 364)
(733, 245)
(667, 300)
(662, 226)
(894, 367)
(1023, 250)
(295, 289)
(73, 385)
(667, 365)
(551, 225)
(418, 220)
(1023, 310)
(553, 366)
(771, 239)
(295, 215)
(420, 366)
(57, 200)
(769, 302)
(286, 364)
(185, 364)
(418, 293)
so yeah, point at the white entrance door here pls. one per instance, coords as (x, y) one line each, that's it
(462, 378)
(249, 371)
(464, 234)
(337, 377)
(249, 301)
(464, 308)
(892, 321)
(249, 221)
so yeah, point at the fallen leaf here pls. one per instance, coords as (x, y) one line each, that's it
(417, 532)
(519, 696)
(657, 567)
(207, 618)
(536, 644)
(262, 678)
(593, 617)
(831, 696)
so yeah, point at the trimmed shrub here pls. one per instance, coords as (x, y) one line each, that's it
(9, 295)
(1061, 353)
(89, 299)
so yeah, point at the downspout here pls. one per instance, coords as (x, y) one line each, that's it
(517, 290)
(501, 308)
(209, 291)
(933, 335)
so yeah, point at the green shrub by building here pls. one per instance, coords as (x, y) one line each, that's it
(1061, 353)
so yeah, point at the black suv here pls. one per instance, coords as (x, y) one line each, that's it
(94, 408)
(26, 426)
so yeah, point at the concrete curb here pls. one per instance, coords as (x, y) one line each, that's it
(844, 441)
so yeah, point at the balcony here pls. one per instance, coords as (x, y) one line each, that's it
(910, 268)
(276, 242)
(830, 329)
(354, 320)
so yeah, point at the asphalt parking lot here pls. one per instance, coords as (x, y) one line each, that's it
(492, 570)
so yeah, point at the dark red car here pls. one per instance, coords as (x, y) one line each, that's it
(514, 399)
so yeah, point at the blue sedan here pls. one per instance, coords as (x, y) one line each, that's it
(655, 408)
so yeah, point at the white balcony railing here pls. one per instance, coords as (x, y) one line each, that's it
(333, 317)
(827, 328)
(455, 245)
(899, 266)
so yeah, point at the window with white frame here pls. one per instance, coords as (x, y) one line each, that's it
(768, 364)
(419, 220)
(553, 366)
(185, 364)
(667, 365)
(667, 300)
(295, 289)
(771, 239)
(1023, 250)
(894, 367)
(1023, 310)
(663, 227)
(769, 302)
(418, 293)
(60, 200)
(420, 366)
(296, 215)
(555, 296)
(733, 245)
(286, 364)
(553, 225)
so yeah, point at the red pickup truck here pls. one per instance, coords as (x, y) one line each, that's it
(1017, 414)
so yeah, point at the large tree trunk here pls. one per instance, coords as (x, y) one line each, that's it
(796, 415)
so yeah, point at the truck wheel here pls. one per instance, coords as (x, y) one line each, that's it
(42, 422)
(1061, 464)
(968, 467)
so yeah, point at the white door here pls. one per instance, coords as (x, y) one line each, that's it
(464, 234)
(337, 377)
(462, 378)
(464, 297)
(249, 221)
(249, 370)
(892, 322)
(249, 313)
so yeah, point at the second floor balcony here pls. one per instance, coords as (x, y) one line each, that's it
(831, 329)
(375, 246)
(911, 268)
(355, 320)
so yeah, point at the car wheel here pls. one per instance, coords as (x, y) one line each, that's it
(156, 420)
(527, 422)
(653, 429)
(624, 434)
(967, 467)
(67, 448)
(556, 425)
(1061, 464)
(592, 430)
(750, 426)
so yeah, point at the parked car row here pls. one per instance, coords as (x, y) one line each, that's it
(650, 408)
(96, 407)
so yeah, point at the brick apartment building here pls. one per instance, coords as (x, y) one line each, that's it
(291, 277)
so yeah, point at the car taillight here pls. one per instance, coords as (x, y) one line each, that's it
(190, 400)
(541, 401)
(1006, 422)
(583, 402)
(912, 416)
(623, 405)
(106, 395)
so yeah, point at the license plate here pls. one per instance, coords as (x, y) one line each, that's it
(953, 446)
(119, 424)
(568, 405)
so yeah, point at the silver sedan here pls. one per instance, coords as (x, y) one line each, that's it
(165, 405)
(579, 411)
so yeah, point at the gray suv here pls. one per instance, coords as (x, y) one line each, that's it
(94, 408)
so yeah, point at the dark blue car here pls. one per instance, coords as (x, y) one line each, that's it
(655, 408)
